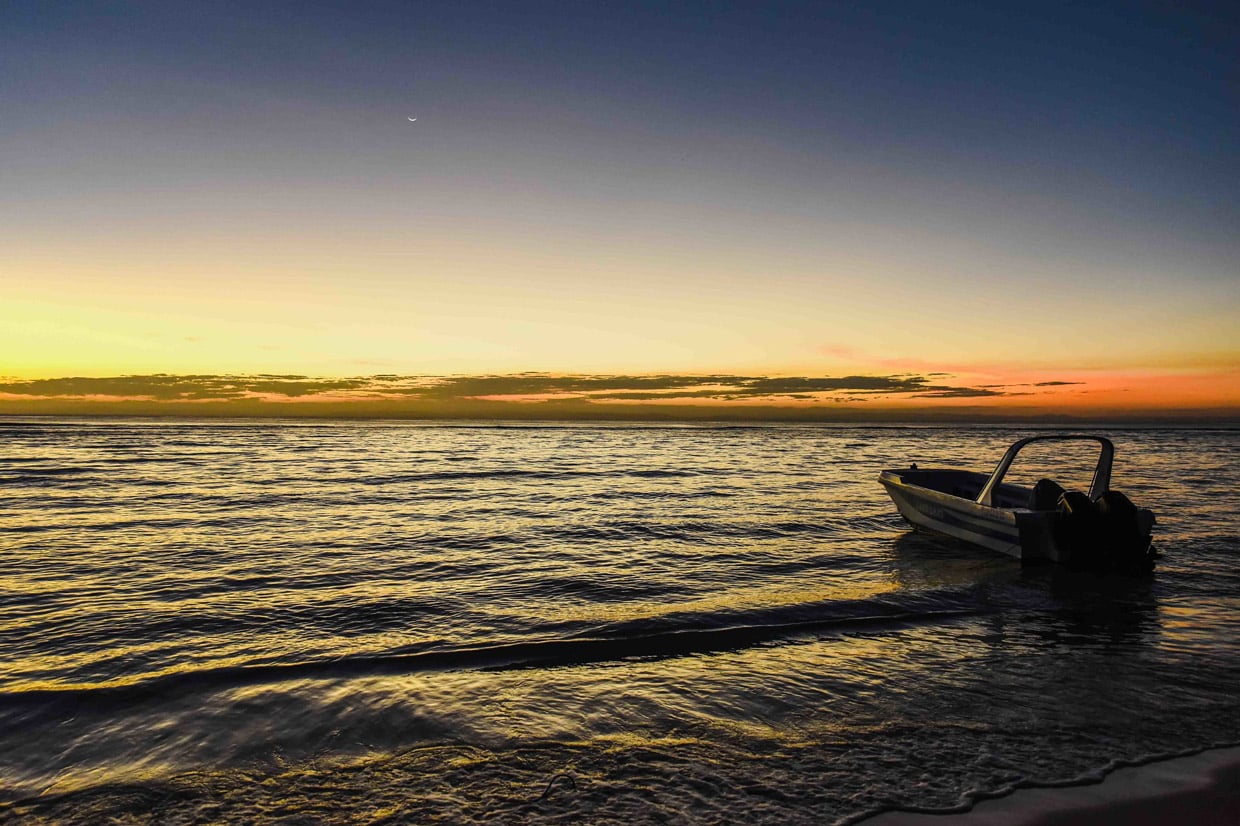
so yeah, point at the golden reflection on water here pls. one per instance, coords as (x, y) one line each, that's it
(767, 596)
(1194, 626)
(279, 547)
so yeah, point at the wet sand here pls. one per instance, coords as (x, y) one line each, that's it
(1203, 790)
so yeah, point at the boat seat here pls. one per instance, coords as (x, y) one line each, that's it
(1045, 495)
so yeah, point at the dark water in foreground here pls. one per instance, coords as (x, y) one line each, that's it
(231, 621)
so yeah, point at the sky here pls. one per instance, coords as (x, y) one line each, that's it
(1026, 206)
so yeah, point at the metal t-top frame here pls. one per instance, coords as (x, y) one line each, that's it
(1102, 473)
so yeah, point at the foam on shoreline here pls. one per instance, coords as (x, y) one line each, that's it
(1202, 789)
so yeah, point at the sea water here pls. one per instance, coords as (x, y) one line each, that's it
(242, 620)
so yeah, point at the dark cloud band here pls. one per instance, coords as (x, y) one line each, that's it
(163, 387)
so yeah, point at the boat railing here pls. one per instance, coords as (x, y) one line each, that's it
(1102, 472)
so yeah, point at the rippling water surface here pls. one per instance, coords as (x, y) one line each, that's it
(231, 620)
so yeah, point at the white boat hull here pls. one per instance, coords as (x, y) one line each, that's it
(1023, 534)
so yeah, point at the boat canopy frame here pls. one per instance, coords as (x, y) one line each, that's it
(1102, 472)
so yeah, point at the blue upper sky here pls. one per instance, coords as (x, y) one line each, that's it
(918, 149)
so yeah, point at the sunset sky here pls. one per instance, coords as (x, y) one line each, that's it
(1032, 205)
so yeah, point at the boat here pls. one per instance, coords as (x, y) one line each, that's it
(1098, 530)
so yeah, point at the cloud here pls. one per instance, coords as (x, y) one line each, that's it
(525, 387)
(957, 393)
(528, 384)
(162, 387)
(671, 386)
(872, 384)
(652, 395)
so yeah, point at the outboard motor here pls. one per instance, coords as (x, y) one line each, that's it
(1127, 530)
(1045, 495)
(1108, 534)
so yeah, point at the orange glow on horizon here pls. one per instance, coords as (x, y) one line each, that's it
(1076, 392)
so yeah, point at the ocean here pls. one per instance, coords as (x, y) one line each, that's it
(238, 621)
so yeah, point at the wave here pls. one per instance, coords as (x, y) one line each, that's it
(673, 635)
(697, 531)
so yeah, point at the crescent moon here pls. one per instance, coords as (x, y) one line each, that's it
(411, 120)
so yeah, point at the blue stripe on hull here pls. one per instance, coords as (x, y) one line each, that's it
(951, 516)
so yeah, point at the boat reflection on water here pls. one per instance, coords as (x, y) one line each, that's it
(922, 560)
(1056, 603)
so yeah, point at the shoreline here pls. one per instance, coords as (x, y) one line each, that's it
(1202, 789)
